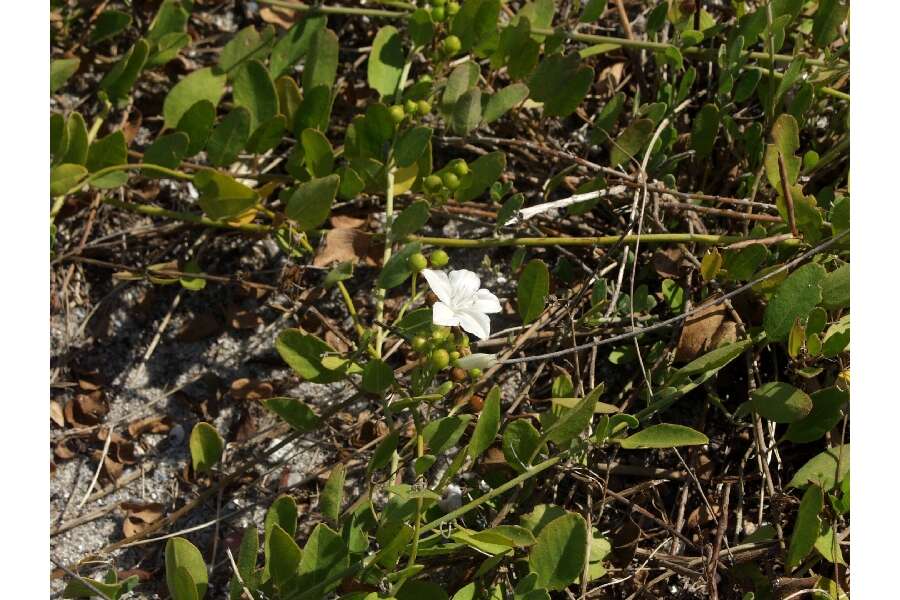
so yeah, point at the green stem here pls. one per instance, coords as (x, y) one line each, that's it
(156, 211)
(380, 292)
(337, 10)
(603, 240)
(773, 75)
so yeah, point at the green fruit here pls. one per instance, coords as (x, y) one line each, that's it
(439, 334)
(433, 183)
(452, 8)
(440, 358)
(438, 14)
(397, 113)
(419, 343)
(445, 388)
(439, 258)
(426, 78)
(409, 107)
(454, 355)
(423, 106)
(451, 181)
(461, 168)
(474, 373)
(452, 45)
(417, 262)
(463, 341)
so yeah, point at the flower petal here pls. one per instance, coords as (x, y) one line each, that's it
(477, 361)
(464, 284)
(440, 285)
(486, 302)
(475, 322)
(441, 314)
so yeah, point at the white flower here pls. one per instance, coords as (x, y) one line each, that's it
(461, 302)
(476, 361)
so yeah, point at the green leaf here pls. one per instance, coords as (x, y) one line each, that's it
(77, 588)
(167, 48)
(664, 435)
(561, 83)
(836, 288)
(466, 112)
(559, 554)
(59, 141)
(806, 527)
(295, 413)
(121, 78)
(462, 79)
(520, 442)
(383, 452)
(317, 153)
(377, 376)
(181, 553)
(781, 402)
(61, 70)
(267, 135)
(322, 61)
(76, 134)
(396, 271)
(172, 17)
(107, 152)
(488, 424)
(509, 209)
(310, 203)
(284, 556)
(304, 353)
(822, 468)
(482, 174)
(248, 44)
(790, 77)
(182, 586)
(332, 495)
(229, 137)
(202, 84)
(283, 514)
(746, 85)
(704, 130)
(324, 556)
(222, 197)
(421, 27)
(829, 16)
(410, 220)
(341, 272)
(168, 150)
(475, 22)
(415, 322)
(786, 141)
(411, 144)
(837, 338)
(828, 546)
(197, 123)
(573, 421)
(194, 284)
(254, 90)
(531, 294)
(206, 447)
(386, 61)
(498, 104)
(295, 43)
(246, 563)
(109, 23)
(795, 298)
(64, 177)
(631, 142)
(711, 361)
(444, 433)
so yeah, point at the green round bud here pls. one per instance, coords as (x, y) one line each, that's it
(433, 183)
(423, 106)
(452, 8)
(439, 334)
(451, 181)
(410, 106)
(474, 373)
(440, 358)
(419, 343)
(438, 14)
(452, 45)
(417, 262)
(397, 113)
(463, 341)
(461, 168)
(454, 355)
(439, 258)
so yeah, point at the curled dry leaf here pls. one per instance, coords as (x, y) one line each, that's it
(62, 450)
(251, 390)
(345, 244)
(151, 424)
(56, 414)
(668, 263)
(701, 332)
(200, 327)
(138, 516)
(277, 16)
(240, 318)
(86, 410)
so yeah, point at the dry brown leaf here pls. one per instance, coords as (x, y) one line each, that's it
(277, 16)
(62, 450)
(246, 426)
(251, 389)
(668, 263)
(240, 318)
(336, 342)
(86, 410)
(698, 331)
(346, 222)
(112, 470)
(56, 414)
(200, 327)
(346, 244)
(151, 424)
(138, 516)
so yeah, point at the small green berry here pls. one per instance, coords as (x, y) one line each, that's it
(433, 183)
(452, 45)
(419, 343)
(440, 358)
(463, 341)
(474, 373)
(452, 8)
(417, 262)
(451, 181)
(438, 13)
(461, 168)
(439, 258)
(439, 334)
(454, 355)
(424, 107)
(397, 113)
(410, 106)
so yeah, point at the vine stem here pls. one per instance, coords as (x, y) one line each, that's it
(603, 240)
(156, 211)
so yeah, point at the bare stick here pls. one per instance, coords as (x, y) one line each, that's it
(788, 199)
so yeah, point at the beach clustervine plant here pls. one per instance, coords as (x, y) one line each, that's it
(257, 139)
